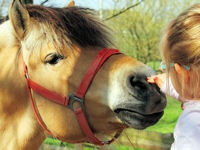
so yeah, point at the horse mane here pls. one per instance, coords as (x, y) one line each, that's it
(75, 24)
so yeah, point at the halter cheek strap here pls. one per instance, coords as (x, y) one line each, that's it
(78, 97)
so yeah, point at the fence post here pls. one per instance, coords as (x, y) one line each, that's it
(78, 147)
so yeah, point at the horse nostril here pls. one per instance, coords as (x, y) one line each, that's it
(137, 83)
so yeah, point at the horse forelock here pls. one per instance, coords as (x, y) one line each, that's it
(71, 25)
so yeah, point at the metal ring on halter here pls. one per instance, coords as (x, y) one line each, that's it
(73, 98)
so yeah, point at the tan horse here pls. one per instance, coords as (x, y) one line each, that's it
(58, 45)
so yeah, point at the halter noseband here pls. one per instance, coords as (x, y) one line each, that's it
(78, 97)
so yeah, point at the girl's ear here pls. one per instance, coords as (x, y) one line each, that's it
(182, 72)
(19, 18)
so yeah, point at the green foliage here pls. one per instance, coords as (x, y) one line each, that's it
(121, 147)
(56, 142)
(52, 141)
(138, 30)
(154, 64)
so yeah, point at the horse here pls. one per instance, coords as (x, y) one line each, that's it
(49, 50)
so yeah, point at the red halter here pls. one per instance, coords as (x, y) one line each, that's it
(79, 97)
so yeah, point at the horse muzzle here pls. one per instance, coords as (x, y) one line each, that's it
(143, 104)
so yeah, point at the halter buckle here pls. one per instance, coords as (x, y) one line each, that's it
(72, 99)
(105, 142)
(26, 76)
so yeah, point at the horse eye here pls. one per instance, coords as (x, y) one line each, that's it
(53, 59)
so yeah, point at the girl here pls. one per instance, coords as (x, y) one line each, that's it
(180, 50)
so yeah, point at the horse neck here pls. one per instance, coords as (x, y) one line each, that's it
(18, 126)
(12, 82)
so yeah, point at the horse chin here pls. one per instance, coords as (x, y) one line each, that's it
(137, 120)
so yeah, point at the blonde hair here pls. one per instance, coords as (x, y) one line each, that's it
(181, 44)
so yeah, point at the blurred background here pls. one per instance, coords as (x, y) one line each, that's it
(137, 27)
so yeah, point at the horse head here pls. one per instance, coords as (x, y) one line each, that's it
(57, 45)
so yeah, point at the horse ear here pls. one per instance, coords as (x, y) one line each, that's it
(71, 4)
(19, 18)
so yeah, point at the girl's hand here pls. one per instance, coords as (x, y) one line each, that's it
(157, 79)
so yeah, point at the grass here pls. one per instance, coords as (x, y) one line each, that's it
(52, 141)
(122, 147)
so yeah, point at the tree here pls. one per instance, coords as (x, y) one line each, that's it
(27, 1)
(123, 10)
(138, 30)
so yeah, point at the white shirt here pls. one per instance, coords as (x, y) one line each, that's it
(187, 130)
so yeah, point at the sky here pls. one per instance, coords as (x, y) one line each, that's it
(94, 4)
